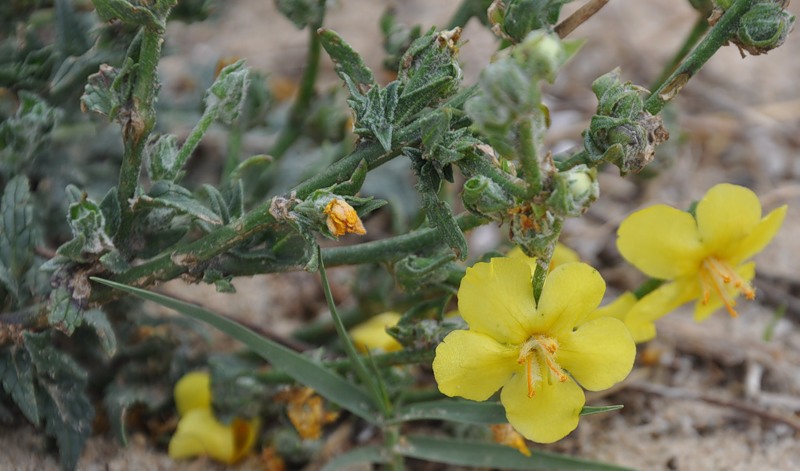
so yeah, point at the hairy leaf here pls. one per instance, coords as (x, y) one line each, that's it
(17, 375)
(18, 234)
(64, 406)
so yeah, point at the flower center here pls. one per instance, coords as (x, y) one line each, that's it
(718, 276)
(537, 350)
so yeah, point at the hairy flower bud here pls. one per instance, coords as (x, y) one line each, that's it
(622, 132)
(574, 191)
(483, 196)
(763, 28)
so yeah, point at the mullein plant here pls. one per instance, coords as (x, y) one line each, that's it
(531, 335)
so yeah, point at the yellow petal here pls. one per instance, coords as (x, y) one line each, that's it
(701, 311)
(371, 335)
(661, 241)
(598, 354)
(617, 309)
(726, 215)
(762, 235)
(472, 365)
(200, 433)
(193, 391)
(549, 415)
(517, 253)
(563, 255)
(570, 293)
(343, 218)
(496, 299)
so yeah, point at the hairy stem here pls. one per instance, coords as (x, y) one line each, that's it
(719, 35)
(299, 110)
(579, 17)
(698, 30)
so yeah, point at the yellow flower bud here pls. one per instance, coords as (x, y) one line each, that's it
(343, 219)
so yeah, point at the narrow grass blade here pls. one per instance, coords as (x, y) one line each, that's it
(490, 455)
(326, 383)
(361, 455)
(469, 412)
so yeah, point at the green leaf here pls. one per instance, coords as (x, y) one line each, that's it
(88, 226)
(302, 12)
(108, 90)
(326, 383)
(360, 455)
(120, 398)
(462, 452)
(374, 111)
(166, 194)
(25, 135)
(470, 412)
(161, 156)
(125, 12)
(18, 234)
(229, 91)
(65, 408)
(98, 320)
(439, 214)
(65, 315)
(17, 375)
(467, 412)
(347, 62)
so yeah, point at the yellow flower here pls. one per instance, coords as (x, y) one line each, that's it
(342, 218)
(637, 316)
(703, 257)
(537, 353)
(371, 335)
(561, 255)
(200, 433)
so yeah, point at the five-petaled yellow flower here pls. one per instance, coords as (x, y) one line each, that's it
(703, 257)
(200, 433)
(538, 353)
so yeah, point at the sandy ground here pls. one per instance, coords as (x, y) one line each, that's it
(711, 396)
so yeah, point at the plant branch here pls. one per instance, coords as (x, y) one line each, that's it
(698, 30)
(579, 17)
(299, 110)
(708, 46)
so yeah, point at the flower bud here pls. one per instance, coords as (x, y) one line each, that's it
(574, 191)
(763, 28)
(484, 197)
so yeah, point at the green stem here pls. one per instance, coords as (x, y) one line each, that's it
(466, 10)
(234, 151)
(647, 287)
(138, 127)
(719, 35)
(299, 110)
(209, 115)
(580, 157)
(529, 158)
(371, 380)
(697, 32)
(394, 248)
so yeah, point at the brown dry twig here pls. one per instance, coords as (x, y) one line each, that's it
(579, 17)
(679, 393)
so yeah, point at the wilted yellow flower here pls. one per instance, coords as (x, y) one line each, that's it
(371, 335)
(538, 353)
(561, 255)
(505, 434)
(705, 256)
(200, 433)
(343, 218)
(306, 412)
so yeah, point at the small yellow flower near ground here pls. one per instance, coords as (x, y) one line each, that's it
(371, 335)
(561, 255)
(200, 433)
(703, 257)
(539, 354)
(343, 218)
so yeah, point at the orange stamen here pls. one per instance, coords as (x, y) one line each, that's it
(718, 275)
(539, 347)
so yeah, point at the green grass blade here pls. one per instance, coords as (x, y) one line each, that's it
(326, 383)
(490, 455)
(361, 455)
(469, 412)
